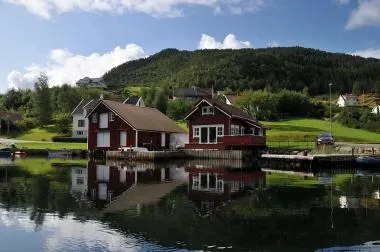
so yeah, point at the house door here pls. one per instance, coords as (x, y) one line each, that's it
(123, 138)
(163, 139)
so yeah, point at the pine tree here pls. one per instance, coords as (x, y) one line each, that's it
(43, 108)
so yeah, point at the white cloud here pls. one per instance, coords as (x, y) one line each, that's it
(368, 53)
(66, 67)
(367, 14)
(273, 44)
(230, 42)
(342, 2)
(168, 8)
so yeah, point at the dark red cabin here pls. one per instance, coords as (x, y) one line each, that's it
(216, 125)
(114, 124)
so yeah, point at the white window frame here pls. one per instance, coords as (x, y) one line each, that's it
(235, 130)
(103, 120)
(81, 123)
(208, 110)
(196, 132)
(111, 116)
(208, 132)
(221, 132)
(80, 133)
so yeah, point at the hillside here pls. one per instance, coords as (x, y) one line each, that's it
(276, 68)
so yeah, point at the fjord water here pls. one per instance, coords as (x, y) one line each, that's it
(55, 205)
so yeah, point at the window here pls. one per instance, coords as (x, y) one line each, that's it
(207, 110)
(195, 182)
(78, 171)
(220, 185)
(80, 181)
(242, 130)
(94, 118)
(220, 131)
(81, 123)
(80, 133)
(235, 130)
(111, 116)
(212, 135)
(196, 132)
(103, 120)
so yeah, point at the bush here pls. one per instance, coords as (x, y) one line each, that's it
(178, 108)
(63, 121)
(26, 124)
(67, 139)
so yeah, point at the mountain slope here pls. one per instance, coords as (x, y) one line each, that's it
(284, 67)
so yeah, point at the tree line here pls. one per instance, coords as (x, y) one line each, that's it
(292, 68)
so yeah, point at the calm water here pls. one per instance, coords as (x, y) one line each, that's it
(47, 206)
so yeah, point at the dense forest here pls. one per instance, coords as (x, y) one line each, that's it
(291, 68)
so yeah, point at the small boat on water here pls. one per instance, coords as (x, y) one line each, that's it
(368, 161)
(5, 152)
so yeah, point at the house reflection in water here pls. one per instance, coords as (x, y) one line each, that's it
(210, 188)
(79, 181)
(107, 181)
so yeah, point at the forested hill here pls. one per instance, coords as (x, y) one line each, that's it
(275, 68)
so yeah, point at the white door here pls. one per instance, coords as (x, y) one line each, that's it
(102, 191)
(163, 139)
(123, 138)
(102, 173)
(103, 139)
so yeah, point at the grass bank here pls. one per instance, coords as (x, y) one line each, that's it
(308, 129)
(52, 146)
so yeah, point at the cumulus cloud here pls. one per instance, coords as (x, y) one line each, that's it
(168, 8)
(230, 42)
(367, 14)
(342, 2)
(65, 67)
(273, 44)
(368, 53)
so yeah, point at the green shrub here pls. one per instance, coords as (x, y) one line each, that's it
(63, 121)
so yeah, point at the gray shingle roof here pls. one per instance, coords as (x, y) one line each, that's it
(192, 92)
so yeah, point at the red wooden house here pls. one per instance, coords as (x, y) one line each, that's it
(114, 124)
(216, 125)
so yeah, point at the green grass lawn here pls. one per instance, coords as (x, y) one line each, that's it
(39, 134)
(307, 129)
(52, 146)
(277, 179)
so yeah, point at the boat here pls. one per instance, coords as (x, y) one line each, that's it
(20, 153)
(5, 152)
(368, 161)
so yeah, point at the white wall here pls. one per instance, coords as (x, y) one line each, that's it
(76, 118)
(78, 175)
(178, 139)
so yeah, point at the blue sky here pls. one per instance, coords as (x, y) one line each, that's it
(71, 39)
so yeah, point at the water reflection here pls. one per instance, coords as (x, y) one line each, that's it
(216, 206)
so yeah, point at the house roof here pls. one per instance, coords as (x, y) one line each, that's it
(87, 80)
(230, 110)
(142, 118)
(132, 100)
(192, 92)
(84, 104)
(349, 96)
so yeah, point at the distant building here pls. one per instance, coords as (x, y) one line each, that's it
(80, 122)
(192, 93)
(216, 125)
(135, 100)
(347, 100)
(91, 82)
(79, 180)
(376, 109)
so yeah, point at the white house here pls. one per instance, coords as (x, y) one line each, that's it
(230, 99)
(80, 122)
(91, 83)
(376, 109)
(347, 100)
(79, 179)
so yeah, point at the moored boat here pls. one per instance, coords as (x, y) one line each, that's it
(368, 161)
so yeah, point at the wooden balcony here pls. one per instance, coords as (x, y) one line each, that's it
(228, 142)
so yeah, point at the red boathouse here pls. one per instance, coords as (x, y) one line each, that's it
(114, 124)
(216, 125)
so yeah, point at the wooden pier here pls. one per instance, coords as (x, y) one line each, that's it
(308, 161)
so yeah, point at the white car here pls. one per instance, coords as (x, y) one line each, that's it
(135, 149)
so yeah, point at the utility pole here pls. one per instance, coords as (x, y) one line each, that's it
(330, 84)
